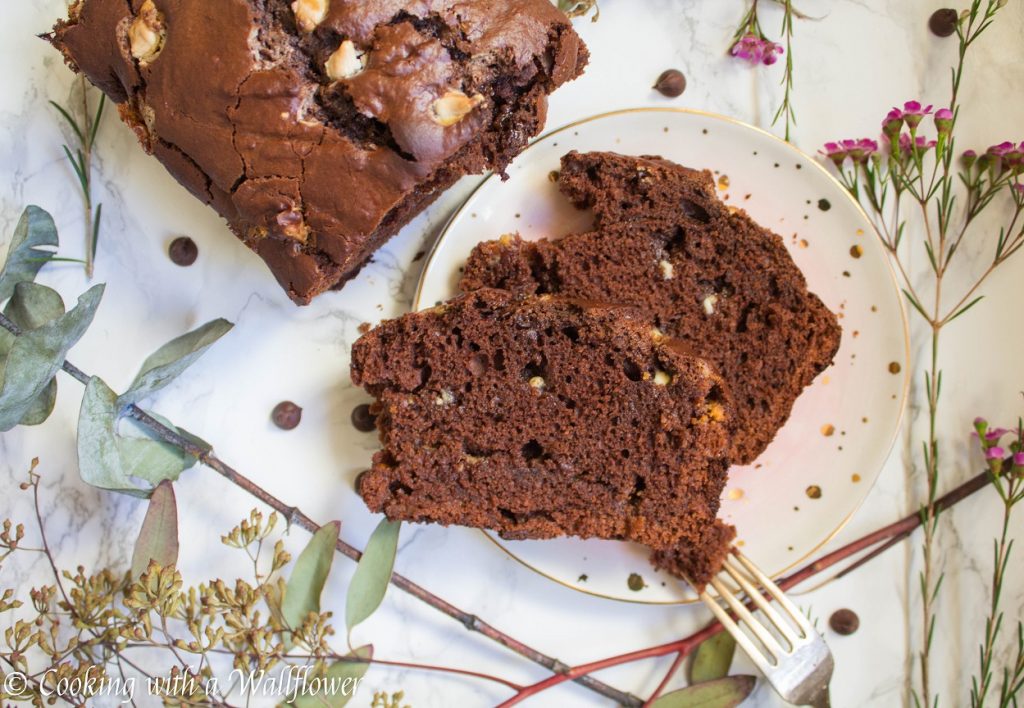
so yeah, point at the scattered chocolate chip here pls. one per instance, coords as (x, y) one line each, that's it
(824, 204)
(583, 578)
(183, 251)
(286, 415)
(671, 83)
(362, 419)
(943, 22)
(419, 256)
(814, 491)
(844, 622)
(635, 582)
(894, 367)
(856, 251)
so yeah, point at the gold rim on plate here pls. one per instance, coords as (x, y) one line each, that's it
(428, 261)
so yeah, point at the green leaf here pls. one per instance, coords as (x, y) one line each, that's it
(341, 680)
(712, 659)
(721, 693)
(109, 460)
(31, 306)
(152, 460)
(24, 257)
(38, 354)
(171, 359)
(99, 455)
(373, 573)
(302, 594)
(158, 538)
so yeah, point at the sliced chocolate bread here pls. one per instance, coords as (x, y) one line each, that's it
(543, 416)
(707, 275)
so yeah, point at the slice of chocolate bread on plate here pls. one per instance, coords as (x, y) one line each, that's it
(318, 128)
(543, 416)
(707, 275)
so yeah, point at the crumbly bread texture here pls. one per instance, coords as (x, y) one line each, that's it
(698, 562)
(543, 416)
(318, 128)
(707, 274)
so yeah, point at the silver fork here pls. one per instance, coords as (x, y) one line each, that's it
(794, 658)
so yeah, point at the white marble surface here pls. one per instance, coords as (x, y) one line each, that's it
(860, 58)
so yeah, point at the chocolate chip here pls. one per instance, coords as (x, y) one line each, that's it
(183, 251)
(286, 415)
(362, 419)
(635, 582)
(824, 204)
(844, 622)
(943, 22)
(671, 83)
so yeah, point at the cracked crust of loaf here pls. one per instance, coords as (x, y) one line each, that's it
(707, 274)
(312, 170)
(541, 417)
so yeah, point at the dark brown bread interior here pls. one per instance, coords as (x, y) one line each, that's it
(707, 275)
(312, 171)
(542, 417)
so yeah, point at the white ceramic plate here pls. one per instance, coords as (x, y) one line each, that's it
(818, 470)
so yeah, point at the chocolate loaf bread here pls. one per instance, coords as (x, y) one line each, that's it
(706, 274)
(542, 417)
(318, 128)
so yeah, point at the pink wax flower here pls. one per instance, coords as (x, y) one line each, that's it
(920, 142)
(756, 49)
(860, 150)
(967, 159)
(1003, 148)
(1018, 459)
(913, 113)
(835, 152)
(893, 123)
(995, 453)
(943, 121)
(995, 434)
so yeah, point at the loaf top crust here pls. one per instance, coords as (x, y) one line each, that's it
(317, 128)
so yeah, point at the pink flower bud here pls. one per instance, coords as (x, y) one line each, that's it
(995, 453)
(967, 159)
(1018, 459)
(943, 121)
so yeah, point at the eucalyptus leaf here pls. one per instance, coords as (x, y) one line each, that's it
(171, 359)
(712, 659)
(370, 581)
(340, 682)
(158, 538)
(31, 306)
(302, 594)
(38, 354)
(152, 460)
(24, 256)
(99, 455)
(725, 692)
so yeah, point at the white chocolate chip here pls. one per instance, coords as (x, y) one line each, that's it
(537, 383)
(709, 304)
(345, 62)
(667, 270)
(657, 335)
(309, 13)
(146, 33)
(662, 378)
(453, 107)
(445, 398)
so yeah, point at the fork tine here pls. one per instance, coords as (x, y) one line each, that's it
(776, 593)
(756, 655)
(771, 645)
(784, 628)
